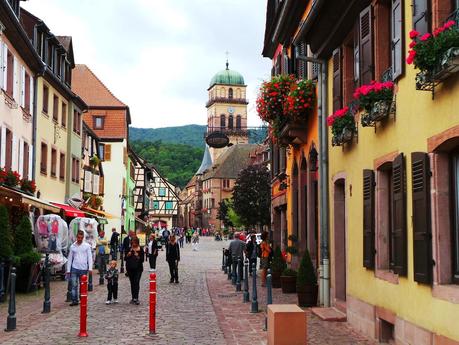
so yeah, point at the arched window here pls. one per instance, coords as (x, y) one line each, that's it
(230, 93)
(230, 122)
(238, 122)
(222, 121)
(238, 93)
(294, 186)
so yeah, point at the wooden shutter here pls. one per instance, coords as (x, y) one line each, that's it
(15, 153)
(368, 219)
(337, 80)
(301, 69)
(108, 152)
(357, 54)
(15, 80)
(22, 87)
(5, 66)
(95, 184)
(397, 55)
(366, 46)
(421, 16)
(399, 242)
(21, 157)
(2, 147)
(31, 95)
(87, 181)
(422, 234)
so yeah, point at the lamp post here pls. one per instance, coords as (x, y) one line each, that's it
(47, 276)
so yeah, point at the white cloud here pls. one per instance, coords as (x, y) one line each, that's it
(158, 56)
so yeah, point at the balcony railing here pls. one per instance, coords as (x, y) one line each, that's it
(227, 100)
(228, 131)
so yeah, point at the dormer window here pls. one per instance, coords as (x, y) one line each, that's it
(14, 4)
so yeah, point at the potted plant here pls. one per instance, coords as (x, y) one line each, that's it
(94, 161)
(306, 282)
(375, 100)
(28, 186)
(11, 179)
(343, 126)
(288, 280)
(278, 265)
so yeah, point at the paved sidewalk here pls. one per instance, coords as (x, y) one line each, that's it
(240, 327)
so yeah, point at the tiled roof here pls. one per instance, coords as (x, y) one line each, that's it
(231, 162)
(95, 94)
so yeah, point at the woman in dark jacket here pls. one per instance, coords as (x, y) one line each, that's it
(134, 266)
(173, 258)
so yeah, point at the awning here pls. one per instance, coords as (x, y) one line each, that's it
(99, 213)
(27, 199)
(69, 211)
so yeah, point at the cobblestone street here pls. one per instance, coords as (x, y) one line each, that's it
(185, 313)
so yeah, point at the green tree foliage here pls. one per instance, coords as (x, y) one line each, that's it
(23, 247)
(176, 162)
(252, 196)
(223, 208)
(306, 272)
(6, 239)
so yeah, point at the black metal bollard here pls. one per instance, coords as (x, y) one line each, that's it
(245, 295)
(2, 282)
(234, 270)
(11, 319)
(238, 278)
(229, 268)
(101, 268)
(46, 281)
(223, 259)
(90, 285)
(68, 297)
(269, 296)
(254, 308)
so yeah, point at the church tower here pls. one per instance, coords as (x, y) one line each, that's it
(227, 108)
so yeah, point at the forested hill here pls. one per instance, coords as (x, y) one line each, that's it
(192, 135)
(176, 162)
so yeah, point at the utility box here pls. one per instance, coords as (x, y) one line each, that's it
(287, 325)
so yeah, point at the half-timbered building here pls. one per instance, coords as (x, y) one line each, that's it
(163, 201)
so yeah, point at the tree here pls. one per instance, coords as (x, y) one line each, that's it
(223, 208)
(6, 240)
(252, 196)
(23, 247)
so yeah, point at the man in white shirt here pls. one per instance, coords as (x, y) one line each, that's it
(79, 263)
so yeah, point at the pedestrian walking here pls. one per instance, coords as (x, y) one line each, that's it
(112, 283)
(127, 242)
(79, 263)
(189, 233)
(102, 253)
(251, 252)
(134, 266)
(264, 259)
(173, 258)
(236, 247)
(195, 241)
(152, 252)
(114, 243)
(181, 237)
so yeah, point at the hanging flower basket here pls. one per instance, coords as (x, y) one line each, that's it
(11, 178)
(28, 186)
(343, 126)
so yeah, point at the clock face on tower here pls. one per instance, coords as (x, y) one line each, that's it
(230, 110)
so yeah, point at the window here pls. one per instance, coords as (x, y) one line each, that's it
(337, 80)
(64, 115)
(49, 53)
(102, 151)
(26, 91)
(222, 121)
(422, 16)
(162, 191)
(76, 121)
(44, 158)
(366, 63)
(231, 122)
(155, 205)
(9, 74)
(25, 160)
(62, 166)
(230, 93)
(53, 162)
(98, 122)
(55, 108)
(169, 205)
(9, 150)
(75, 170)
(45, 99)
(238, 122)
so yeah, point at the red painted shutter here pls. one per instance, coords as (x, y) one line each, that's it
(368, 219)
(399, 242)
(422, 234)
(421, 16)
(337, 80)
(397, 38)
(366, 46)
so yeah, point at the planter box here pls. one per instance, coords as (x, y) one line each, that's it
(288, 284)
(307, 295)
(276, 281)
(346, 136)
(379, 111)
(293, 132)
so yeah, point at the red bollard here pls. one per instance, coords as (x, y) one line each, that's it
(83, 306)
(152, 303)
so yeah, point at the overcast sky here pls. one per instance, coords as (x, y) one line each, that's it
(158, 56)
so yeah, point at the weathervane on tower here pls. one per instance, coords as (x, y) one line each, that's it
(227, 63)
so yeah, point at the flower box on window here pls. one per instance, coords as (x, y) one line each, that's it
(343, 126)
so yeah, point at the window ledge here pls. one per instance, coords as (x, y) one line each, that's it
(449, 293)
(387, 276)
(45, 114)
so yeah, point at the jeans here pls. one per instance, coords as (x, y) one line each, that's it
(102, 263)
(173, 269)
(134, 278)
(152, 261)
(75, 276)
(112, 288)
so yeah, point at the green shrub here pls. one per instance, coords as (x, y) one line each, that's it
(278, 264)
(306, 272)
(23, 247)
(289, 272)
(6, 240)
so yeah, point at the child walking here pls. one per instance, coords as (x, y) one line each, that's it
(112, 283)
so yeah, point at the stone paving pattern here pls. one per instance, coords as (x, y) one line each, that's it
(186, 312)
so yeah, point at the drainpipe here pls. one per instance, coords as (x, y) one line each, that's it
(324, 269)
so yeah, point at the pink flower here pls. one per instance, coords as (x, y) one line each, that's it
(449, 24)
(425, 37)
(388, 85)
(330, 120)
(413, 44)
(411, 56)
(414, 34)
